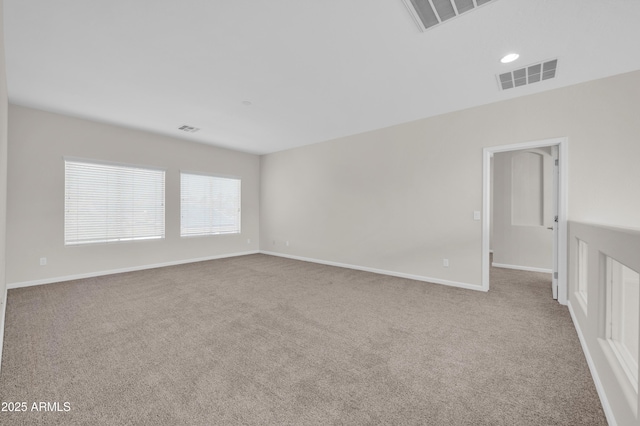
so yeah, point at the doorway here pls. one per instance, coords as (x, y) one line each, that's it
(558, 149)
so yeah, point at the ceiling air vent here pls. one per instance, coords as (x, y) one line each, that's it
(529, 74)
(429, 13)
(188, 129)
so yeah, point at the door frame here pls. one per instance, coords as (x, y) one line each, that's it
(563, 162)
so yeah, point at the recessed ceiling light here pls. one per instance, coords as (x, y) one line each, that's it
(509, 58)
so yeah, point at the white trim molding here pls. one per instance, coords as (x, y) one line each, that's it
(618, 390)
(121, 270)
(3, 322)
(379, 271)
(563, 192)
(521, 268)
(606, 407)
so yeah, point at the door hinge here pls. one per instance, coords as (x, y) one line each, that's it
(556, 161)
(555, 275)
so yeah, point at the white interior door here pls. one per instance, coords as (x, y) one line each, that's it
(556, 194)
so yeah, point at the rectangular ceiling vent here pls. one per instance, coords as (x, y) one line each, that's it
(429, 13)
(188, 129)
(529, 74)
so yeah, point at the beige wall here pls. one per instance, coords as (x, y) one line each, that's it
(3, 176)
(39, 140)
(402, 198)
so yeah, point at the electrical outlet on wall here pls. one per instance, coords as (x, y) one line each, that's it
(43, 261)
(445, 263)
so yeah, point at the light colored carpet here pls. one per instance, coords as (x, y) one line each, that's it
(271, 341)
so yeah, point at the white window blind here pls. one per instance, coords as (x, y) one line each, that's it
(209, 205)
(108, 203)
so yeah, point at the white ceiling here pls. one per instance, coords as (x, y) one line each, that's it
(312, 70)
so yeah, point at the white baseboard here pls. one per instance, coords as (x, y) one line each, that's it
(379, 271)
(606, 407)
(121, 270)
(521, 268)
(2, 323)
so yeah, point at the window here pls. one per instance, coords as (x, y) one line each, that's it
(209, 205)
(108, 203)
(623, 315)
